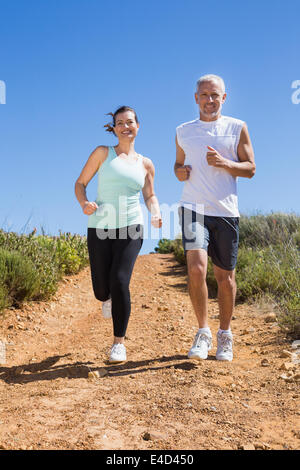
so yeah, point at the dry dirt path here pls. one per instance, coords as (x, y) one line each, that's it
(158, 399)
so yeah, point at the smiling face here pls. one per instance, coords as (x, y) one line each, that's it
(210, 98)
(126, 126)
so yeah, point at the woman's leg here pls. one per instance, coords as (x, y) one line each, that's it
(100, 254)
(125, 252)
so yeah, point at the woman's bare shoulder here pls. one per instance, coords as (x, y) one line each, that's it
(100, 153)
(102, 149)
(147, 162)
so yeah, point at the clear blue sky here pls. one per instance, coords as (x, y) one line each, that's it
(66, 63)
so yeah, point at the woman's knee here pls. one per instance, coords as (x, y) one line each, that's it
(101, 293)
(119, 284)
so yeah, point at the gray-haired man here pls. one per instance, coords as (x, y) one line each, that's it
(211, 152)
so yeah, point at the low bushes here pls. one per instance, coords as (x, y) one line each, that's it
(19, 279)
(31, 266)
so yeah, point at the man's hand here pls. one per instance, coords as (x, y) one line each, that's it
(215, 159)
(183, 172)
(89, 208)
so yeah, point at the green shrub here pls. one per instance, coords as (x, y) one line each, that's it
(179, 251)
(20, 280)
(64, 255)
(52, 258)
(77, 257)
(43, 260)
(272, 229)
(165, 246)
(4, 302)
(285, 262)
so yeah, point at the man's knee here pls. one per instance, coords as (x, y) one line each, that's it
(197, 272)
(225, 279)
(197, 265)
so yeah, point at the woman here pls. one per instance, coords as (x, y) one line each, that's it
(115, 224)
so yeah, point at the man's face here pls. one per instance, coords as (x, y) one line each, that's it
(210, 98)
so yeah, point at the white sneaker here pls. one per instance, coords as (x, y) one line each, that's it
(224, 349)
(106, 309)
(202, 344)
(117, 353)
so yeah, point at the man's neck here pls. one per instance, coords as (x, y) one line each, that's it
(209, 119)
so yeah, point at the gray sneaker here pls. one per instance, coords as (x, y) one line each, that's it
(225, 346)
(106, 309)
(202, 344)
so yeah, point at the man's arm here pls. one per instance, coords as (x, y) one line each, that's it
(245, 167)
(181, 170)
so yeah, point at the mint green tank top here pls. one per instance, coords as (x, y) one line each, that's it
(118, 197)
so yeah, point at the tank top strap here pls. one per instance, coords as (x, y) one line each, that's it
(111, 153)
(140, 159)
(140, 162)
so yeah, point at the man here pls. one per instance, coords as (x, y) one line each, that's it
(211, 152)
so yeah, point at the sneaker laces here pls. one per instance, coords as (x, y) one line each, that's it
(225, 342)
(201, 337)
(118, 348)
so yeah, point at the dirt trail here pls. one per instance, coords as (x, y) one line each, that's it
(158, 399)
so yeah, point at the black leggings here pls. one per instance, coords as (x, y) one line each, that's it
(112, 256)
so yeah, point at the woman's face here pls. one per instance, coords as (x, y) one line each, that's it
(126, 126)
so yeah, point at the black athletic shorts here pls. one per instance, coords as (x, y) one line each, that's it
(219, 236)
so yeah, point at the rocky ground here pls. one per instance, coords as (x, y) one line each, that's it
(57, 390)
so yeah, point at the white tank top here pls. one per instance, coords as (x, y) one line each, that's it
(213, 188)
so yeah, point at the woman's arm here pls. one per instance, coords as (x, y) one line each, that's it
(150, 199)
(91, 167)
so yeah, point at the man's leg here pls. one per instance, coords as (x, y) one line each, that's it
(226, 295)
(195, 238)
(197, 269)
(226, 298)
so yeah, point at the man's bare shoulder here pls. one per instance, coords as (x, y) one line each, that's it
(188, 124)
(233, 120)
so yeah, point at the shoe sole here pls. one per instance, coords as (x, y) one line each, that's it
(198, 358)
(112, 361)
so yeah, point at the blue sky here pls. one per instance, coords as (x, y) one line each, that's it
(67, 63)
